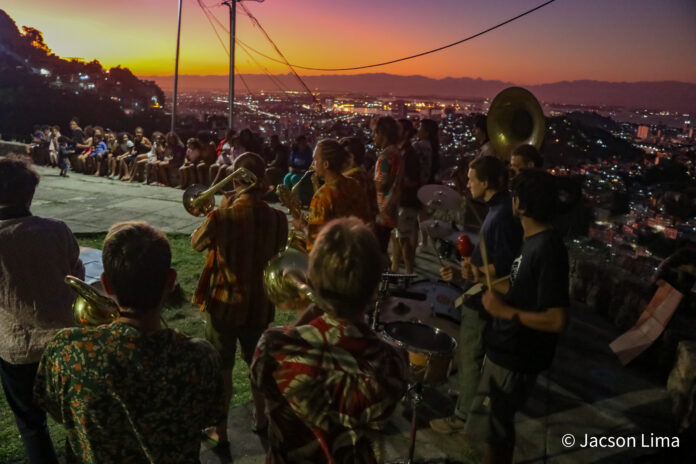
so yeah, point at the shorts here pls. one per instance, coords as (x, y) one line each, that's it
(501, 393)
(224, 339)
(407, 222)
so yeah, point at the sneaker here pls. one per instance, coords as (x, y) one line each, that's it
(447, 425)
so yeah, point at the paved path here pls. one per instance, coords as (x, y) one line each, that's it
(93, 204)
(586, 391)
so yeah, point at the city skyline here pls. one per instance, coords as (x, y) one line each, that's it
(643, 40)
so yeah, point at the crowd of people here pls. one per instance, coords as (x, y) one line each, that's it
(323, 389)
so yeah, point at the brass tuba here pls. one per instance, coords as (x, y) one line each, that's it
(515, 118)
(91, 308)
(285, 276)
(199, 200)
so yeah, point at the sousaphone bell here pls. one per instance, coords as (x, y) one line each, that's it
(515, 118)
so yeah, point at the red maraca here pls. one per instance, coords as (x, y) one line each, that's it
(464, 246)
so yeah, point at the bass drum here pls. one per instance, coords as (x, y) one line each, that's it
(440, 296)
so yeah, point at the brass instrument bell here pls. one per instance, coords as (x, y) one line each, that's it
(199, 200)
(515, 118)
(91, 308)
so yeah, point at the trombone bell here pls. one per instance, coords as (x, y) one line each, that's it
(91, 308)
(199, 200)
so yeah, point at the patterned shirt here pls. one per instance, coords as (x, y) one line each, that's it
(368, 186)
(342, 198)
(330, 387)
(241, 240)
(126, 396)
(388, 174)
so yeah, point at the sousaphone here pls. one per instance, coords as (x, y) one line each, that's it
(515, 118)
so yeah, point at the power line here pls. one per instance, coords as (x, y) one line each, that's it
(237, 42)
(203, 8)
(258, 24)
(417, 55)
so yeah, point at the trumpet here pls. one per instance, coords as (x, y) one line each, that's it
(199, 200)
(91, 308)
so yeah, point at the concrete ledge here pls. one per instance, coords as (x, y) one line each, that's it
(12, 147)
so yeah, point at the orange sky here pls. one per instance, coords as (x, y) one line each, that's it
(614, 40)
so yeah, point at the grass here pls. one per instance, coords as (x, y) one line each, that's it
(179, 314)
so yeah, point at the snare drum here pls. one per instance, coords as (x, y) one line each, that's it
(430, 350)
(441, 297)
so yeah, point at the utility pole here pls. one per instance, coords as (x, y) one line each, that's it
(176, 70)
(232, 5)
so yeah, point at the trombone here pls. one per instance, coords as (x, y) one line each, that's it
(91, 308)
(199, 200)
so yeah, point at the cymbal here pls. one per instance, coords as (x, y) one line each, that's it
(439, 196)
(437, 229)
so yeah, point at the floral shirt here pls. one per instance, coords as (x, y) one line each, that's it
(342, 198)
(126, 396)
(388, 174)
(330, 388)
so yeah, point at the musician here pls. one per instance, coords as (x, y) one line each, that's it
(524, 156)
(526, 321)
(355, 169)
(332, 383)
(502, 236)
(339, 197)
(481, 133)
(35, 255)
(388, 174)
(132, 391)
(240, 240)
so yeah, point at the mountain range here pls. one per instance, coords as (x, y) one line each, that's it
(663, 95)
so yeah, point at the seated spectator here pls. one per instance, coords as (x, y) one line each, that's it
(99, 147)
(187, 171)
(84, 149)
(224, 159)
(174, 157)
(300, 160)
(102, 159)
(142, 149)
(208, 157)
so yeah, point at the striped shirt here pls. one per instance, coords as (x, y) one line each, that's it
(240, 241)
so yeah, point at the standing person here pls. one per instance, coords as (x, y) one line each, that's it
(523, 334)
(53, 145)
(332, 384)
(240, 240)
(502, 235)
(427, 146)
(406, 231)
(64, 152)
(278, 155)
(339, 197)
(35, 256)
(524, 157)
(481, 134)
(388, 174)
(132, 391)
(77, 137)
(355, 169)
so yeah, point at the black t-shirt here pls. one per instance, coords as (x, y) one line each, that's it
(538, 281)
(502, 233)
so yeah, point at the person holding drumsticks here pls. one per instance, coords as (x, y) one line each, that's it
(502, 235)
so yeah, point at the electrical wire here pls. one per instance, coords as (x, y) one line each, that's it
(398, 60)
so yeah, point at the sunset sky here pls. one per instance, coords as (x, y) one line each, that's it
(613, 40)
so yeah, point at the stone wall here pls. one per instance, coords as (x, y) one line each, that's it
(12, 147)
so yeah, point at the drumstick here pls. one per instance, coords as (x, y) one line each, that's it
(434, 248)
(484, 257)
